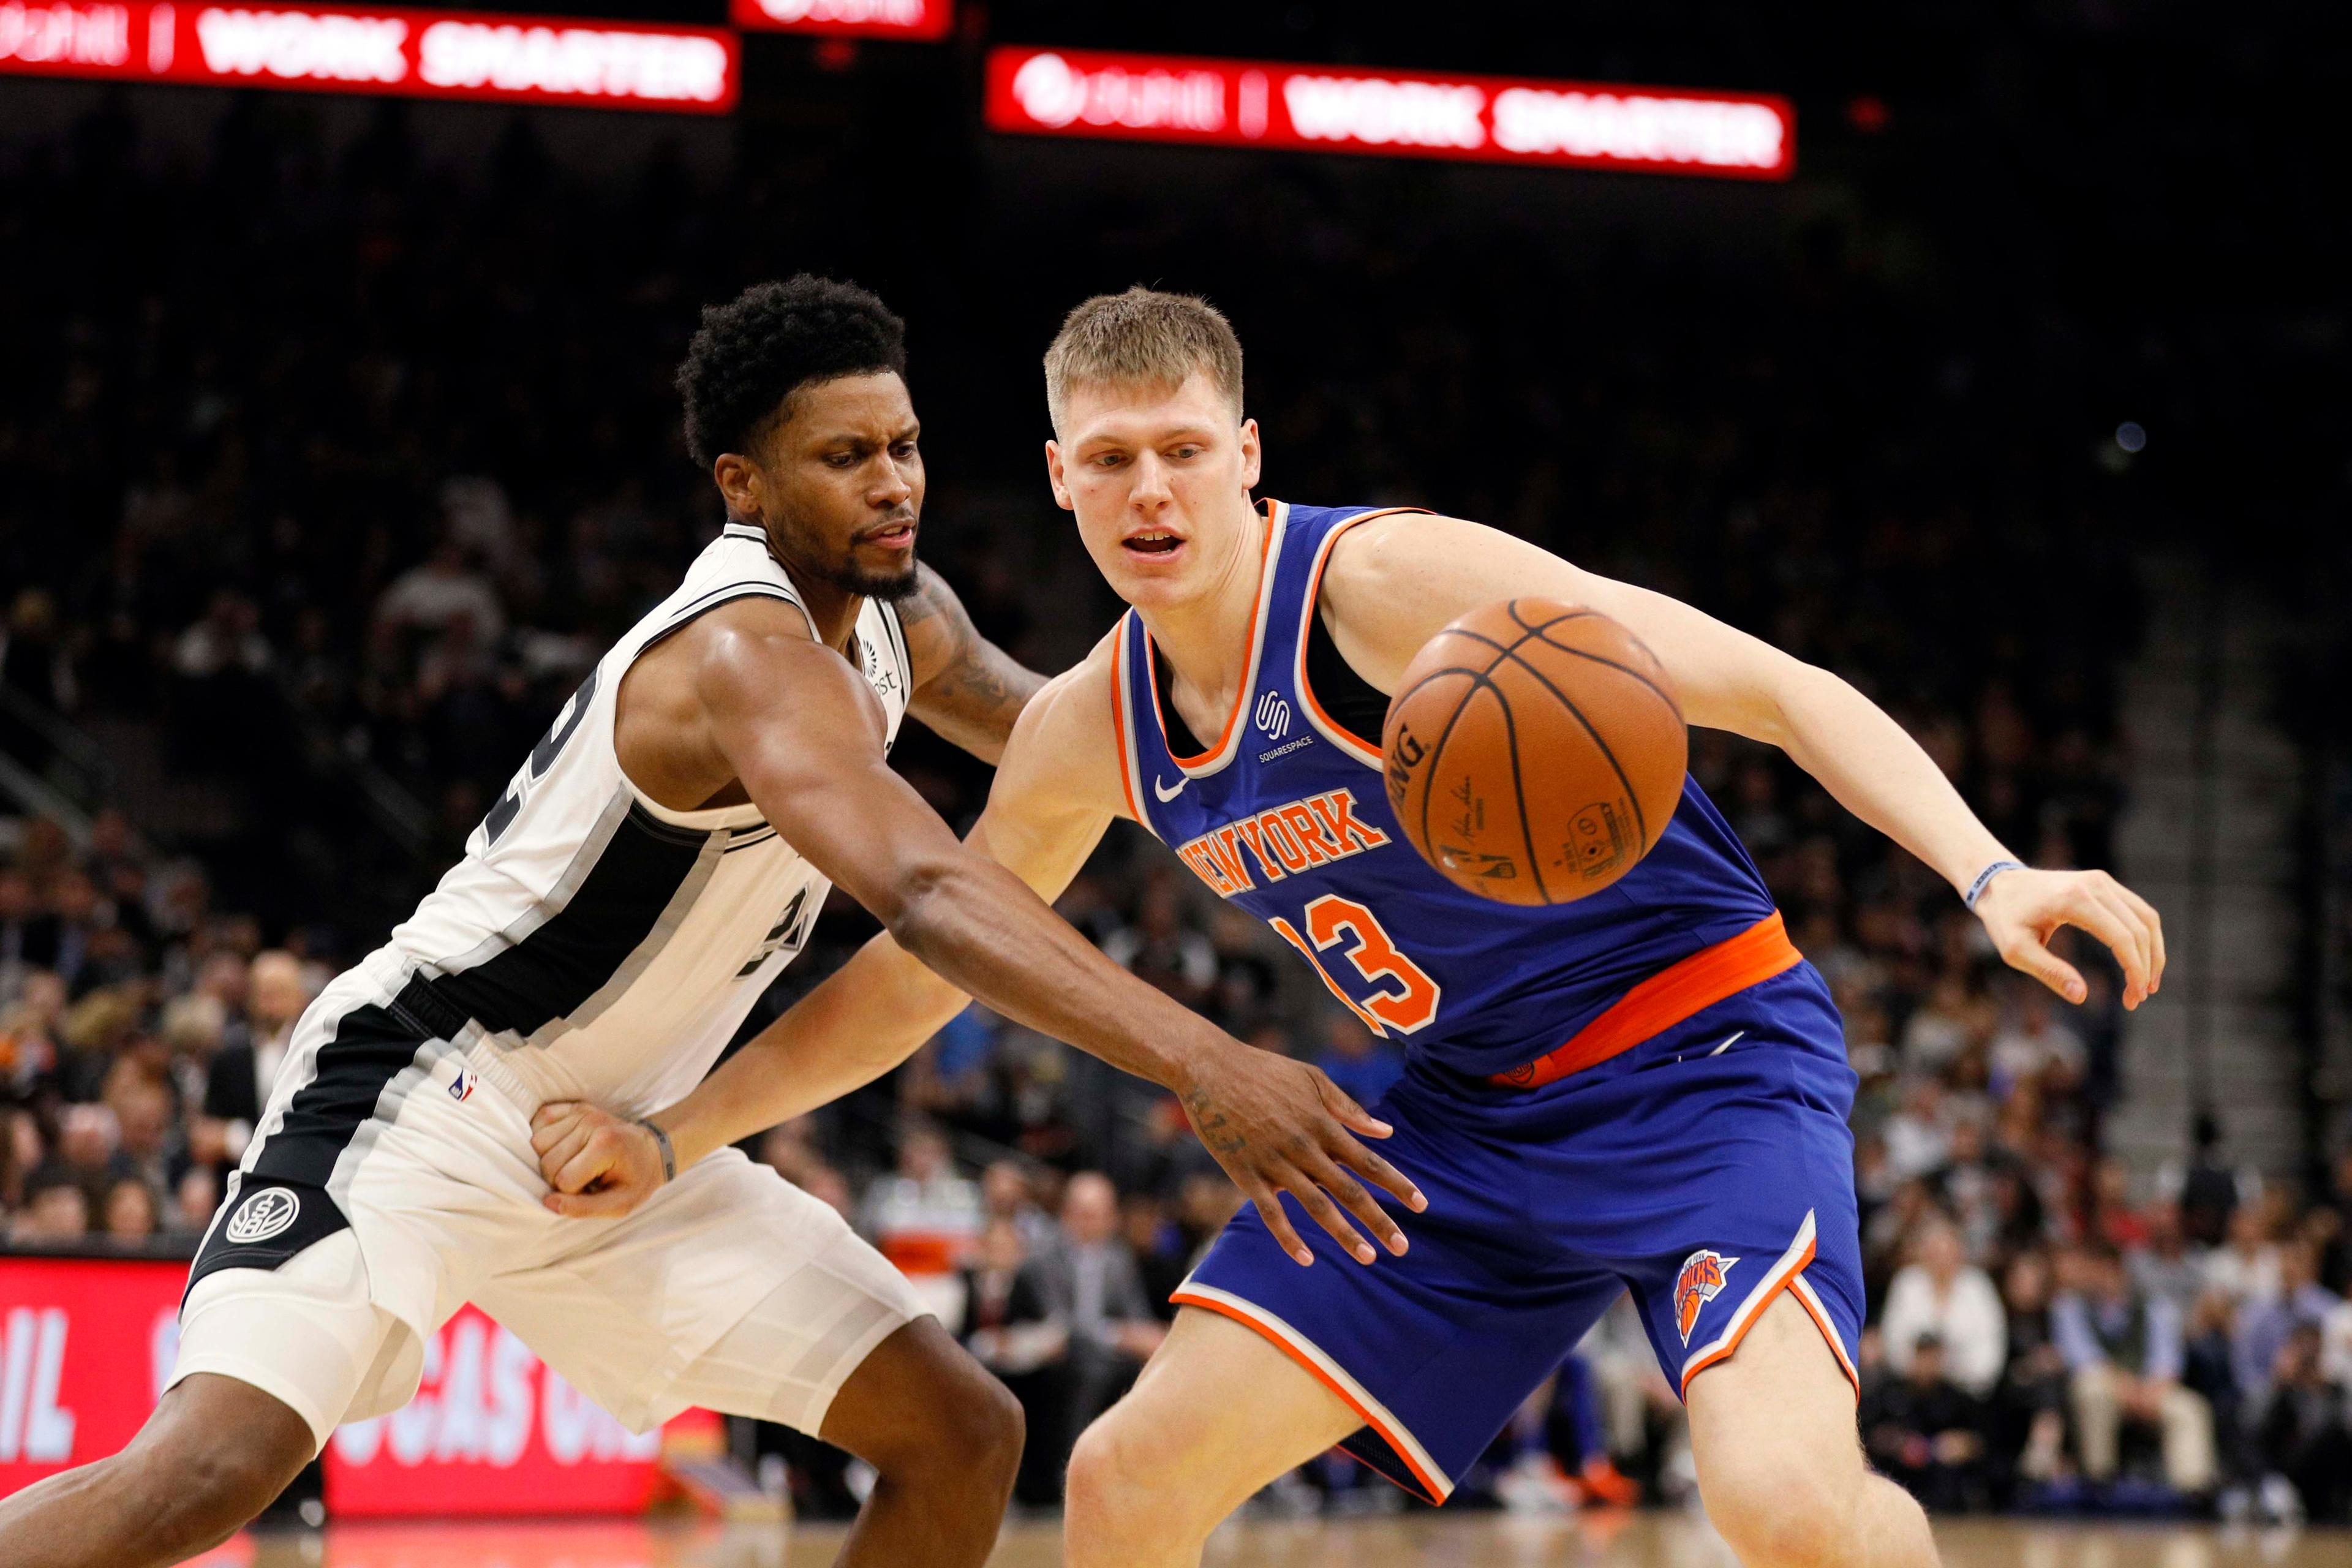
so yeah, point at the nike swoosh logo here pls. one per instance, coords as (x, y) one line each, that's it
(1164, 793)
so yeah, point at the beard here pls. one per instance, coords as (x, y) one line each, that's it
(852, 578)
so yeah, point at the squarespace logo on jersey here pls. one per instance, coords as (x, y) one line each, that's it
(342, 48)
(1074, 93)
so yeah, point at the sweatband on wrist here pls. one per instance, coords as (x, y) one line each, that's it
(1984, 880)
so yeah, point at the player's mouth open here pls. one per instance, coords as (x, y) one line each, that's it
(1154, 542)
(897, 536)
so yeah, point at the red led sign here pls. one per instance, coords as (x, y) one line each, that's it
(1425, 114)
(371, 49)
(920, 19)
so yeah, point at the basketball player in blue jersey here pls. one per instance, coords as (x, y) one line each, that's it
(1646, 1089)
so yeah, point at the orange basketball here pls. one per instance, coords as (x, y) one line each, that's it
(1535, 751)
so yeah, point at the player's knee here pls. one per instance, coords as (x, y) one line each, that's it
(1117, 1486)
(1776, 1514)
(987, 1430)
(195, 1495)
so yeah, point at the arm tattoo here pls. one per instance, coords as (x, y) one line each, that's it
(972, 690)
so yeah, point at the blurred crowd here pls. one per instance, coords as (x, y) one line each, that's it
(351, 479)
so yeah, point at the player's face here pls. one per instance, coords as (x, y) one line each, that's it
(838, 484)
(1160, 478)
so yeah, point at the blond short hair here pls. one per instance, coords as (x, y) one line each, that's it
(1143, 337)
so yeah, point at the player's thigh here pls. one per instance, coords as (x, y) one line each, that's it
(1216, 1413)
(731, 1289)
(304, 1333)
(1772, 1428)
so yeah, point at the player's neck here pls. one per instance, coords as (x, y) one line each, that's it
(832, 610)
(1206, 639)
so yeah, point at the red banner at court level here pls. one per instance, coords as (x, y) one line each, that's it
(919, 19)
(86, 1346)
(371, 49)
(1424, 114)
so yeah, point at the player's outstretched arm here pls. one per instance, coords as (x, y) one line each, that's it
(1394, 582)
(966, 687)
(1275, 1124)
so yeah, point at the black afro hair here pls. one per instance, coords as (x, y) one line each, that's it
(768, 342)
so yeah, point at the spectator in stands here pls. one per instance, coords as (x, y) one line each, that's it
(2029, 1415)
(2266, 1322)
(130, 1212)
(1010, 1326)
(1941, 1296)
(2034, 1044)
(2163, 1265)
(56, 1212)
(2246, 1268)
(245, 1065)
(924, 1218)
(1007, 1196)
(2124, 1356)
(1161, 949)
(1925, 1431)
(1092, 1279)
(2208, 1189)
(2306, 1446)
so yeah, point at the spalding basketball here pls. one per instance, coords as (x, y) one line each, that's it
(1535, 751)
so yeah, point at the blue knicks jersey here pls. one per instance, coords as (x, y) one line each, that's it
(1286, 816)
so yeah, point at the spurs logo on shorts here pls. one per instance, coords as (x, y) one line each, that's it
(266, 1214)
(1700, 1282)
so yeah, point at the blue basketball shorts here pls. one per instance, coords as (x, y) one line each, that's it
(1707, 1169)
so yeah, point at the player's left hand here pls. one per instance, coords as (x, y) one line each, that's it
(2022, 909)
(595, 1163)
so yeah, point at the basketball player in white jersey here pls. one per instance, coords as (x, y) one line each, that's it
(656, 863)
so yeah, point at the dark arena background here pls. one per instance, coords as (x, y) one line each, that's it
(1993, 357)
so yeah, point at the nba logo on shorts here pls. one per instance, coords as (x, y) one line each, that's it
(1700, 1282)
(266, 1214)
(461, 1088)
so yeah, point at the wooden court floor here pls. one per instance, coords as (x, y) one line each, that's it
(1426, 1541)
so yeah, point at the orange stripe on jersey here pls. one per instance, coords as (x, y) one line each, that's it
(1257, 632)
(1434, 1488)
(1665, 999)
(1118, 722)
(1755, 1309)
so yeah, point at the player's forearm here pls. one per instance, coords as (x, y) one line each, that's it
(981, 928)
(1876, 771)
(865, 1019)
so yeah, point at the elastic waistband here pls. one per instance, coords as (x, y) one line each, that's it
(1665, 999)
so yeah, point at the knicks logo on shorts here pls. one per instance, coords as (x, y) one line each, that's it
(266, 1214)
(1701, 1281)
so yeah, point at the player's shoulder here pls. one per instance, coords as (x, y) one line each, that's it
(1067, 738)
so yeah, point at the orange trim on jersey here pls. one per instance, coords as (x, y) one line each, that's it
(1755, 1310)
(1249, 681)
(1665, 999)
(1363, 750)
(1803, 1295)
(1433, 1490)
(1118, 722)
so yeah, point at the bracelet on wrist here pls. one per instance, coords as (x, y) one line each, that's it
(1984, 880)
(669, 1153)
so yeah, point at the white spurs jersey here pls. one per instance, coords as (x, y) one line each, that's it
(593, 944)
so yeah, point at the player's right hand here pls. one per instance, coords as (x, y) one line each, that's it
(595, 1163)
(1279, 1126)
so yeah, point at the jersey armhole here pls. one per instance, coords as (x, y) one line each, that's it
(1354, 705)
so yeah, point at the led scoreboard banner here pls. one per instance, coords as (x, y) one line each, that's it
(925, 20)
(376, 49)
(1426, 114)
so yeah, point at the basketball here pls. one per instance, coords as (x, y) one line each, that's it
(1535, 751)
